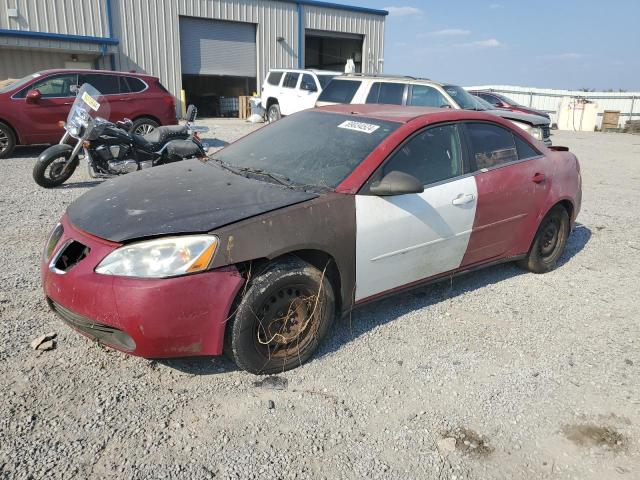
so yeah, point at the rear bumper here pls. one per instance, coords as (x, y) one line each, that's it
(152, 318)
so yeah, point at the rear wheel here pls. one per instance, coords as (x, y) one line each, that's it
(7, 140)
(549, 242)
(273, 114)
(49, 171)
(281, 319)
(144, 125)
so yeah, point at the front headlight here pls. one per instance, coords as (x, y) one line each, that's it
(52, 241)
(160, 258)
(536, 132)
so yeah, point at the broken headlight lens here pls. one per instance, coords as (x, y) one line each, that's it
(52, 241)
(161, 258)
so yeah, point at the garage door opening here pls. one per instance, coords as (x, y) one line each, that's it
(331, 50)
(218, 64)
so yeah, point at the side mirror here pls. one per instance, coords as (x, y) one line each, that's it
(192, 112)
(396, 183)
(33, 96)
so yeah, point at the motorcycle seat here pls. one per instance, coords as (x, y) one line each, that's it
(153, 141)
(182, 148)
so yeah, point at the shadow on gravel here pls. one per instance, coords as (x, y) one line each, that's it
(91, 183)
(215, 142)
(29, 151)
(199, 365)
(386, 310)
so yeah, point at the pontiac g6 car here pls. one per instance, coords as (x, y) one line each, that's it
(256, 250)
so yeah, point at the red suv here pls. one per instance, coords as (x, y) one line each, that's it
(31, 108)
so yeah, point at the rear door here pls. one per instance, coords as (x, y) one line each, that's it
(407, 238)
(513, 180)
(40, 120)
(109, 86)
(288, 96)
(387, 93)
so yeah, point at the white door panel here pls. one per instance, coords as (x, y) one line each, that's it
(406, 238)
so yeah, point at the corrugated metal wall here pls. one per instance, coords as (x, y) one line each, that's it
(371, 26)
(149, 34)
(547, 99)
(72, 17)
(19, 63)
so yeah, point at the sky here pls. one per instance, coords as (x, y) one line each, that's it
(569, 44)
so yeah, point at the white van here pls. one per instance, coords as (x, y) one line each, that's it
(287, 91)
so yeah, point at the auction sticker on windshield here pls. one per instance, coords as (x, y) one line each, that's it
(89, 100)
(359, 126)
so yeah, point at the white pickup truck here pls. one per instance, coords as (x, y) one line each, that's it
(287, 91)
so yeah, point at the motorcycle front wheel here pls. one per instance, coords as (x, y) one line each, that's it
(49, 170)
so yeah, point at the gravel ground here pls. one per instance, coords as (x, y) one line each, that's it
(534, 376)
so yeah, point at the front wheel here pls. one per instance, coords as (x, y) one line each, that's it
(549, 242)
(49, 170)
(7, 140)
(281, 319)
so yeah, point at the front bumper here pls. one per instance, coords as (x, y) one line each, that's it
(152, 318)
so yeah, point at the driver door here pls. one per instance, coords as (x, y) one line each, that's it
(407, 238)
(54, 105)
(307, 93)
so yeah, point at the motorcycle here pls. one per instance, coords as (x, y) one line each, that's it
(111, 148)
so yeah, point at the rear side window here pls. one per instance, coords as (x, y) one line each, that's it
(389, 93)
(136, 85)
(274, 78)
(491, 145)
(290, 80)
(524, 149)
(339, 91)
(425, 96)
(105, 84)
(433, 155)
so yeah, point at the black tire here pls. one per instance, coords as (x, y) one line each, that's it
(7, 140)
(46, 171)
(280, 319)
(549, 243)
(144, 125)
(273, 114)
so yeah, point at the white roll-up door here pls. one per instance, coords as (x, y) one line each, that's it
(216, 47)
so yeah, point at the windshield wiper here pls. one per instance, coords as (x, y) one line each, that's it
(281, 179)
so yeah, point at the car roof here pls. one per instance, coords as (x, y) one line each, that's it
(387, 77)
(404, 114)
(306, 70)
(84, 70)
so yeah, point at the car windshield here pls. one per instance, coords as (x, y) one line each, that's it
(483, 104)
(18, 83)
(324, 80)
(463, 98)
(309, 149)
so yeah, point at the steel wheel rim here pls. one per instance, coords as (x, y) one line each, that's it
(288, 324)
(144, 129)
(4, 141)
(550, 237)
(272, 115)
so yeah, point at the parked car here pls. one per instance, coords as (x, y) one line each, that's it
(501, 101)
(32, 108)
(256, 250)
(287, 91)
(397, 90)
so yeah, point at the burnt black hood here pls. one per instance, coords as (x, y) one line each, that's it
(183, 197)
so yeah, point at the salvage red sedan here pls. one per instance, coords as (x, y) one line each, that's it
(256, 250)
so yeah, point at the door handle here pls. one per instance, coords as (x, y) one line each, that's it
(539, 178)
(463, 199)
